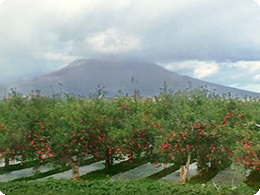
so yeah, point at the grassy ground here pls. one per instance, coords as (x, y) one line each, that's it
(119, 187)
(204, 177)
(253, 179)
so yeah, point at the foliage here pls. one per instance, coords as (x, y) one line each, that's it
(214, 130)
(52, 187)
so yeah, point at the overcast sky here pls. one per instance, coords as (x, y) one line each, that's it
(212, 40)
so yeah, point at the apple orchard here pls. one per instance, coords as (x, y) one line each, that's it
(188, 126)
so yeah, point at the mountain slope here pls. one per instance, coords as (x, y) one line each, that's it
(83, 76)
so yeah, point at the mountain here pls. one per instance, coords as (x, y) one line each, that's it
(83, 77)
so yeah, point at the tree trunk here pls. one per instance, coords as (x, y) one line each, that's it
(36, 169)
(7, 161)
(108, 160)
(199, 167)
(199, 171)
(185, 171)
(213, 164)
(75, 168)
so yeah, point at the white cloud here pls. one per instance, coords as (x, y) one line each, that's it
(251, 66)
(205, 69)
(242, 74)
(113, 41)
(60, 57)
(176, 66)
(257, 77)
(199, 69)
(257, 1)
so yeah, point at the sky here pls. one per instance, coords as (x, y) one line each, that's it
(216, 41)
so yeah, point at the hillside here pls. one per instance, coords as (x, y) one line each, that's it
(83, 76)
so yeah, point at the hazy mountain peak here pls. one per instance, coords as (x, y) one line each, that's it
(84, 75)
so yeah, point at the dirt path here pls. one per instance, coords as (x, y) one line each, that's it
(175, 176)
(21, 173)
(230, 175)
(140, 172)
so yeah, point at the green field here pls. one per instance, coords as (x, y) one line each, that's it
(125, 187)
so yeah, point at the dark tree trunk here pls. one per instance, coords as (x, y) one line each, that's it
(108, 160)
(36, 169)
(202, 166)
(213, 164)
(199, 168)
(7, 161)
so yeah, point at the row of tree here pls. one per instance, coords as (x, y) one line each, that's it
(193, 125)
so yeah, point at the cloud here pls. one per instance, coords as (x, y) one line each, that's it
(113, 41)
(201, 38)
(168, 30)
(60, 57)
(258, 1)
(205, 69)
(251, 66)
(242, 74)
(194, 68)
(257, 77)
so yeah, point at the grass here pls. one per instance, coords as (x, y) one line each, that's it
(204, 177)
(126, 187)
(115, 169)
(253, 180)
